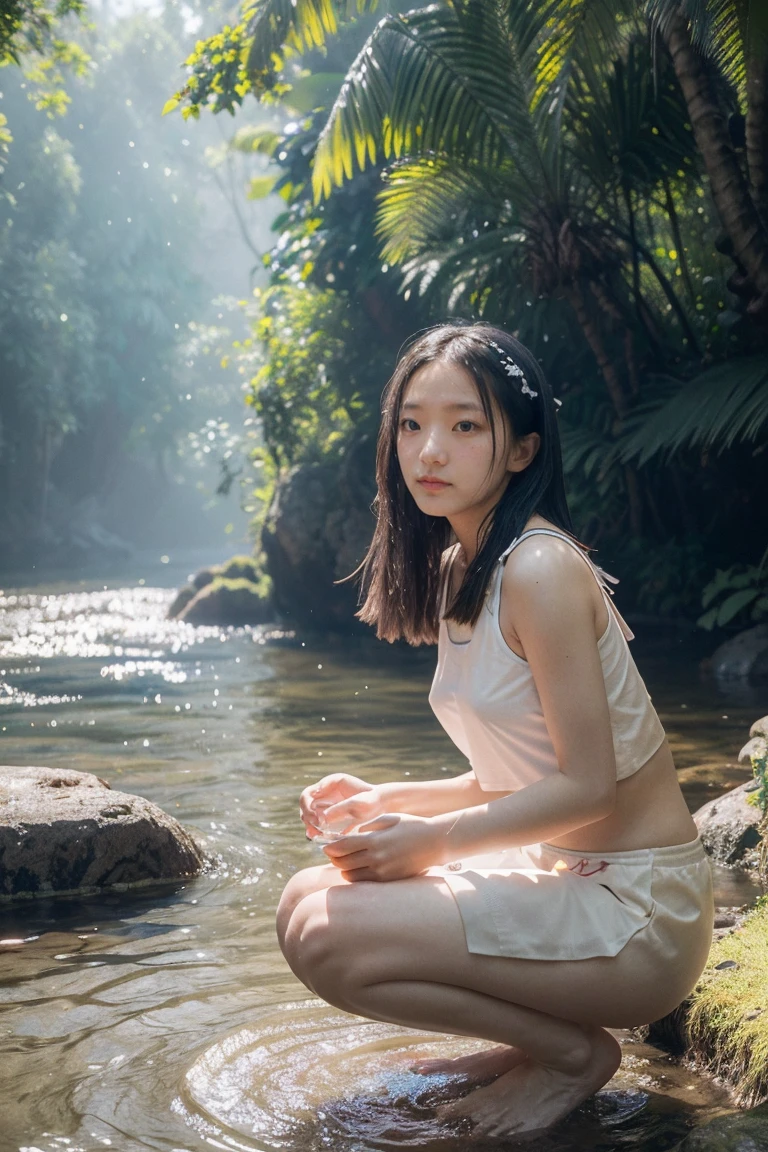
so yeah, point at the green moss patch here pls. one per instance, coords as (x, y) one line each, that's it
(728, 1014)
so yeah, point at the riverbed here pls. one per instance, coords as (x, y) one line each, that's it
(168, 1019)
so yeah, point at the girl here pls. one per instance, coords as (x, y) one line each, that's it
(558, 888)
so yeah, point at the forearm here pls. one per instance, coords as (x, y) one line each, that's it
(542, 811)
(435, 797)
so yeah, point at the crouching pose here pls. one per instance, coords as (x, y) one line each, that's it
(558, 888)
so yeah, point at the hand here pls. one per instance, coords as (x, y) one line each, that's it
(327, 802)
(391, 847)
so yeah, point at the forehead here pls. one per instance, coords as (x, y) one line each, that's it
(442, 383)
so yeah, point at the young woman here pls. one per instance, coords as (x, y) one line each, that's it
(557, 888)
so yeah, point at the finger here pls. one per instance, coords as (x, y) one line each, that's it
(349, 844)
(348, 863)
(378, 824)
(360, 874)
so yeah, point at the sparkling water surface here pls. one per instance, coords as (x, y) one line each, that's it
(167, 1019)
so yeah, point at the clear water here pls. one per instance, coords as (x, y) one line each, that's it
(169, 1020)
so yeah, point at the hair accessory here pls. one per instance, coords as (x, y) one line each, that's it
(513, 369)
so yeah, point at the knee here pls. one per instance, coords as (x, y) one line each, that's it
(303, 884)
(314, 946)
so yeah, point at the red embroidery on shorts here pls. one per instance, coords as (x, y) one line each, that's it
(580, 867)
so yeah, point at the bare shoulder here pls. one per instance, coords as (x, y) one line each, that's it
(545, 577)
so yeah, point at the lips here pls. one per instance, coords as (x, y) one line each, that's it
(433, 484)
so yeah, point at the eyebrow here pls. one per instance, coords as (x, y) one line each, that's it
(412, 406)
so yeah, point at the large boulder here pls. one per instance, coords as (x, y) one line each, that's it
(316, 533)
(728, 825)
(740, 1132)
(744, 656)
(65, 832)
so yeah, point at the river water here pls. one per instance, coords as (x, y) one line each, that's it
(168, 1019)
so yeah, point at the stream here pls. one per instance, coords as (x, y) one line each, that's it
(167, 1019)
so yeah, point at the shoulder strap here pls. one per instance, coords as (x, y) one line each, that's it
(602, 577)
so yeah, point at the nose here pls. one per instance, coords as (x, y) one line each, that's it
(433, 448)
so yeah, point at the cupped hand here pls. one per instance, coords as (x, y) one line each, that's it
(391, 847)
(326, 802)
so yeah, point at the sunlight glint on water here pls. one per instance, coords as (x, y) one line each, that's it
(168, 1020)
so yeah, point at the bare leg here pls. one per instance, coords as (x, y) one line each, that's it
(397, 952)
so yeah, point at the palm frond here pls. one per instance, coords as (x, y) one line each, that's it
(725, 31)
(719, 407)
(425, 201)
(277, 27)
(578, 32)
(437, 81)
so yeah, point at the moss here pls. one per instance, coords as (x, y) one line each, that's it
(245, 567)
(230, 601)
(728, 1014)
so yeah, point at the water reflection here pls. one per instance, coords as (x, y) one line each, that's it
(168, 1020)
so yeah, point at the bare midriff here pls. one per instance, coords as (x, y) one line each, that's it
(650, 812)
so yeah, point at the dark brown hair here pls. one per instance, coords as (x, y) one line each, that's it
(400, 576)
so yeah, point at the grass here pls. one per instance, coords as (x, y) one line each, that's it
(727, 1020)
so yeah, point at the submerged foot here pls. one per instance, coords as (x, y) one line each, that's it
(476, 1067)
(531, 1096)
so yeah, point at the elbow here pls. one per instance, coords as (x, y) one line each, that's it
(603, 804)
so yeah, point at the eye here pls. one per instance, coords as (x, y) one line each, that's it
(407, 424)
(466, 425)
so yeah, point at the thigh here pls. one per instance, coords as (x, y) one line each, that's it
(411, 930)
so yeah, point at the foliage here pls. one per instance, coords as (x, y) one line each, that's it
(738, 593)
(31, 36)
(249, 57)
(103, 345)
(539, 166)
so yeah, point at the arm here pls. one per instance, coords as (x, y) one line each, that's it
(434, 797)
(347, 800)
(548, 604)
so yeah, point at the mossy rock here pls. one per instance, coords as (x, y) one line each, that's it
(180, 601)
(742, 1132)
(249, 570)
(227, 602)
(727, 1014)
(242, 567)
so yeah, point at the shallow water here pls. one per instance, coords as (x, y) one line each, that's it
(168, 1019)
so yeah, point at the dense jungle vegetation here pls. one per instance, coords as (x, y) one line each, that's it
(593, 176)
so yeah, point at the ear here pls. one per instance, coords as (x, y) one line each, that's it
(522, 452)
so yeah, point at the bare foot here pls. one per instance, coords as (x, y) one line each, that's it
(532, 1097)
(476, 1067)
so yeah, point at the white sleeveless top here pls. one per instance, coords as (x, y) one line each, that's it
(485, 697)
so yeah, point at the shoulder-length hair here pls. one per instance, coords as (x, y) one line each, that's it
(401, 572)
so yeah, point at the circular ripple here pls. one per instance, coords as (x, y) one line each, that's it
(305, 1077)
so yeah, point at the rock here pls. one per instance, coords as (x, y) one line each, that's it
(242, 594)
(744, 656)
(317, 532)
(226, 602)
(740, 1132)
(757, 747)
(180, 600)
(64, 832)
(728, 825)
(760, 727)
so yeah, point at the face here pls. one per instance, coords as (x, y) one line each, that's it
(445, 445)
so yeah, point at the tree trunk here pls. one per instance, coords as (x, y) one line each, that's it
(757, 131)
(594, 338)
(734, 204)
